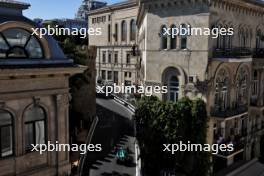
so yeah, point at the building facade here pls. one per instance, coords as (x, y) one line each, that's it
(115, 60)
(34, 96)
(227, 71)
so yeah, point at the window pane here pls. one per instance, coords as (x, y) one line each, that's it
(34, 113)
(6, 141)
(34, 49)
(163, 37)
(40, 132)
(5, 118)
(16, 37)
(29, 136)
(3, 47)
(124, 31)
(17, 52)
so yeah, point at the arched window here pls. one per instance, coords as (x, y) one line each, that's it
(173, 39)
(225, 39)
(258, 39)
(255, 85)
(219, 38)
(173, 89)
(133, 29)
(116, 32)
(163, 37)
(229, 40)
(34, 119)
(124, 31)
(19, 43)
(109, 33)
(243, 38)
(222, 90)
(184, 35)
(6, 134)
(241, 83)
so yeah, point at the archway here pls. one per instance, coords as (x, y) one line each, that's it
(171, 79)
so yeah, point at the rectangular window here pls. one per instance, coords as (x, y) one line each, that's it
(116, 57)
(109, 75)
(103, 74)
(116, 32)
(104, 57)
(128, 58)
(109, 33)
(125, 74)
(130, 74)
(109, 57)
(116, 77)
(109, 17)
(103, 18)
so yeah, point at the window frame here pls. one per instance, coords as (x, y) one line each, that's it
(124, 31)
(133, 30)
(12, 125)
(23, 48)
(33, 122)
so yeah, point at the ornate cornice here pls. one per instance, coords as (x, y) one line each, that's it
(239, 6)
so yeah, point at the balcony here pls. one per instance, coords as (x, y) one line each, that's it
(218, 111)
(236, 52)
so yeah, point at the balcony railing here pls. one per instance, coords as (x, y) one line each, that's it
(232, 52)
(228, 112)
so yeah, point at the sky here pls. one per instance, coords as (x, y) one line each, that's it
(49, 9)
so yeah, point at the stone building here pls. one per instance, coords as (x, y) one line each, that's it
(115, 61)
(227, 71)
(34, 96)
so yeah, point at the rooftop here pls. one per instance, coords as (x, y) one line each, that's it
(14, 4)
(115, 6)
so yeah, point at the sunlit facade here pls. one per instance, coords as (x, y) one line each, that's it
(34, 96)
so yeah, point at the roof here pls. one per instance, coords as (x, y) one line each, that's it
(14, 4)
(116, 6)
(57, 57)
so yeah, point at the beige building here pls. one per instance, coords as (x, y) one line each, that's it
(115, 60)
(34, 96)
(227, 72)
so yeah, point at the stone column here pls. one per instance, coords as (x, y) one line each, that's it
(62, 118)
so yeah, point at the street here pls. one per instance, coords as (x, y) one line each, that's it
(115, 129)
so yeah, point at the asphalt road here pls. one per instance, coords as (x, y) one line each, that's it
(115, 129)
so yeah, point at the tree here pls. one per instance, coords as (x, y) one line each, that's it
(161, 123)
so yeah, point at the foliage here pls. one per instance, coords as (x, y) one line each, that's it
(74, 47)
(161, 123)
